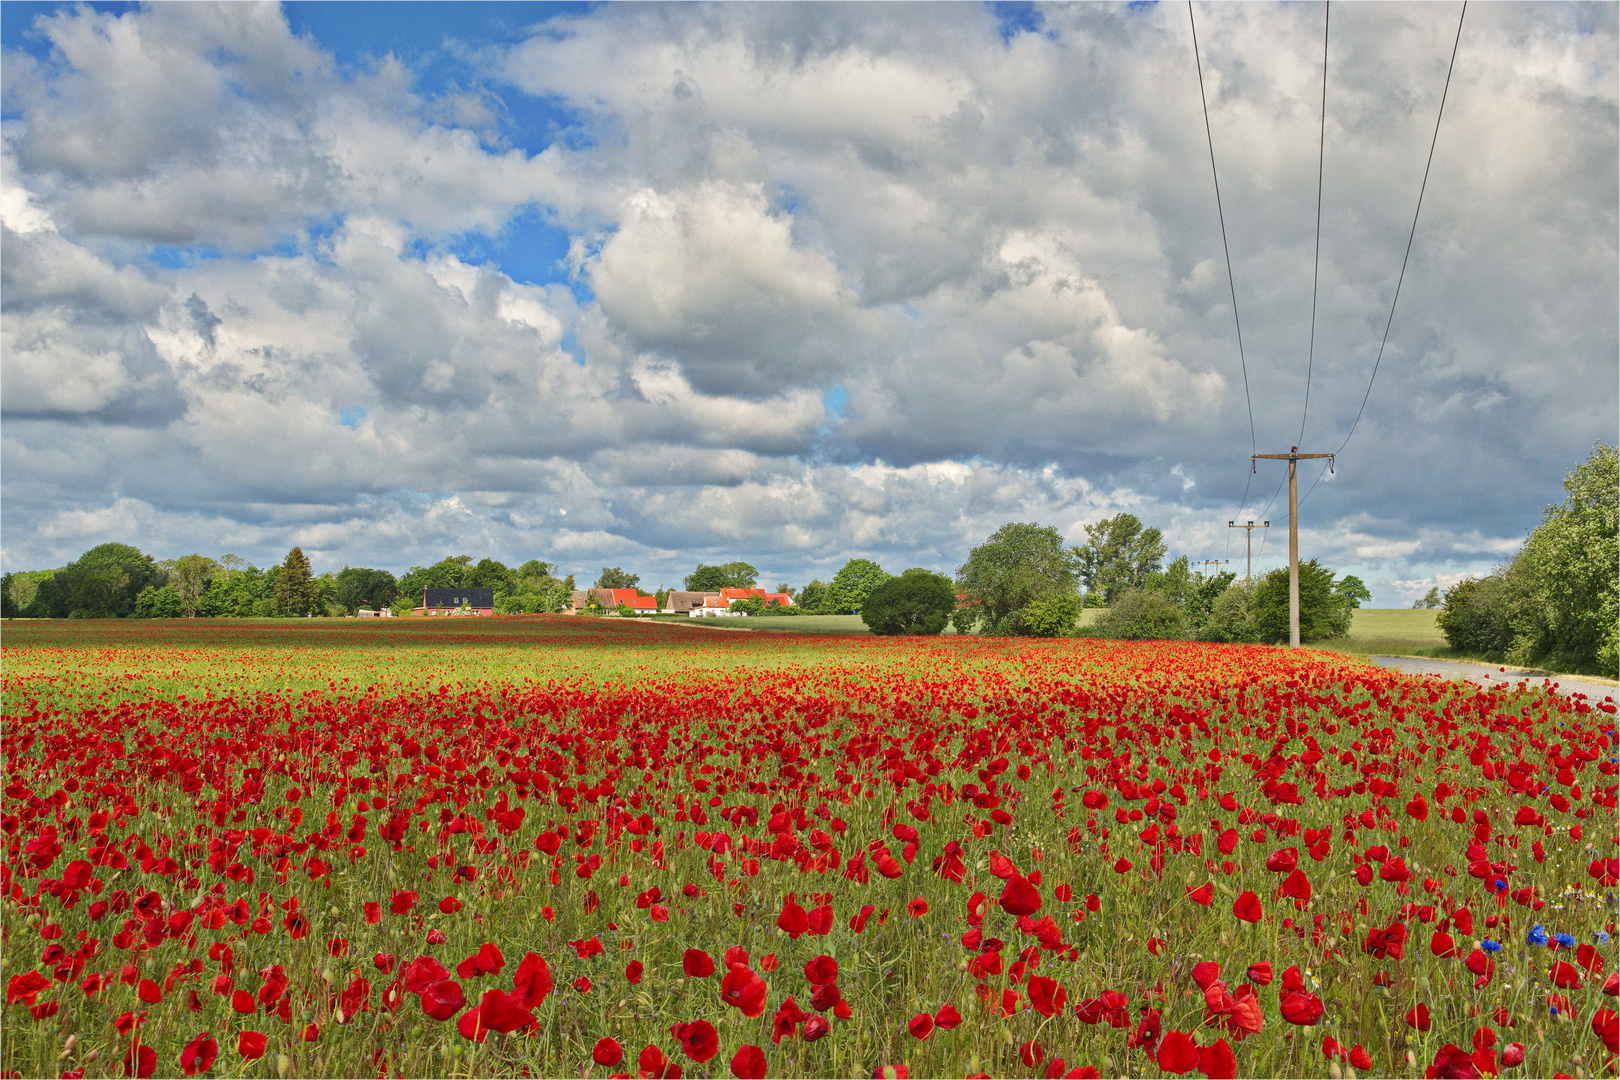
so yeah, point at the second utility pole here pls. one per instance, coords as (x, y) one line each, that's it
(1248, 544)
(1293, 457)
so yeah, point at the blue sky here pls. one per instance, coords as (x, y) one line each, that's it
(648, 285)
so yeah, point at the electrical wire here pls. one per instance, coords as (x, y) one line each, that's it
(1316, 265)
(1410, 235)
(1226, 249)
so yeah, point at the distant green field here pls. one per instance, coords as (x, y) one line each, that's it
(1398, 623)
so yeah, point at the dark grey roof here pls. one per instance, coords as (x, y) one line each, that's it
(454, 598)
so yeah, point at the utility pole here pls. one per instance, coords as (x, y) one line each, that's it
(1293, 457)
(1248, 544)
(1214, 562)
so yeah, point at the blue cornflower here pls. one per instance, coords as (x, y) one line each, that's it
(1600, 936)
(1566, 940)
(1537, 935)
(1499, 885)
(1491, 946)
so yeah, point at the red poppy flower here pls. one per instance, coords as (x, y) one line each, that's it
(1204, 894)
(743, 989)
(1046, 995)
(1564, 975)
(1247, 907)
(501, 1012)
(607, 1052)
(443, 999)
(947, 1017)
(486, 961)
(1282, 861)
(1418, 1017)
(792, 921)
(148, 992)
(1260, 974)
(1019, 897)
(921, 1026)
(422, 973)
(532, 981)
(917, 907)
(1606, 1026)
(140, 1062)
(821, 969)
(748, 1063)
(1206, 974)
(250, 1044)
(1218, 1062)
(697, 964)
(698, 1039)
(1297, 886)
(199, 1054)
(1177, 1052)
(1452, 1063)
(1301, 1008)
(632, 972)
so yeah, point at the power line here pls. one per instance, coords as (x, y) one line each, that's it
(1226, 249)
(1422, 187)
(1316, 266)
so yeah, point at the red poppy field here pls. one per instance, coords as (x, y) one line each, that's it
(565, 847)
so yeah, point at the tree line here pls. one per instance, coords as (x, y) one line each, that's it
(1554, 603)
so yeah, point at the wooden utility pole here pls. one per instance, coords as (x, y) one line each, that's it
(1214, 562)
(1293, 457)
(1248, 544)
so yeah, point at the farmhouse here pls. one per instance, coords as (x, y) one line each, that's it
(720, 603)
(610, 599)
(451, 601)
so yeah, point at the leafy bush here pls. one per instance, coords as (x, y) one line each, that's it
(1324, 612)
(157, 603)
(1564, 581)
(1474, 616)
(917, 602)
(1229, 618)
(1056, 616)
(1143, 615)
(748, 605)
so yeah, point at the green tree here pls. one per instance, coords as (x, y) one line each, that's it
(917, 602)
(295, 591)
(1143, 615)
(1019, 565)
(1119, 554)
(447, 573)
(1323, 611)
(190, 579)
(812, 599)
(104, 581)
(1353, 589)
(732, 575)
(1430, 599)
(1566, 579)
(851, 586)
(612, 577)
(8, 606)
(489, 574)
(362, 587)
(1475, 616)
(161, 603)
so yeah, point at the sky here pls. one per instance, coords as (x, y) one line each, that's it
(649, 286)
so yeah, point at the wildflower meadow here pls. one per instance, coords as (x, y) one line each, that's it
(549, 846)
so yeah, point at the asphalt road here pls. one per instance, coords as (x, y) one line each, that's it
(1490, 676)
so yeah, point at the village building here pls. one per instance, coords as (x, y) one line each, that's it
(452, 601)
(611, 599)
